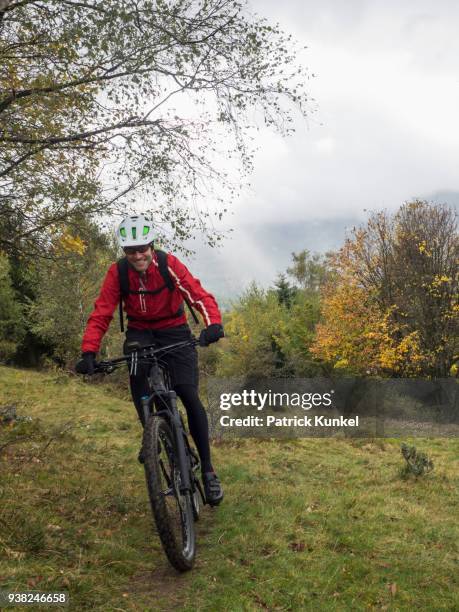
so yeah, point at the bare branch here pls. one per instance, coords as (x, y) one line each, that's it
(130, 123)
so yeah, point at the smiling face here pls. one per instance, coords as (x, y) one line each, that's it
(139, 257)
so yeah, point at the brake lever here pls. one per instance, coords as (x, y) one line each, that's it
(103, 368)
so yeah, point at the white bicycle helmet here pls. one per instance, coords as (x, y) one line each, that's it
(134, 230)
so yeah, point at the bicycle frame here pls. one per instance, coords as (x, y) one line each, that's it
(171, 413)
(165, 398)
(174, 472)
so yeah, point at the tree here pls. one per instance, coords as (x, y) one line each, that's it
(426, 255)
(253, 326)
(309, 271)
(12, 328)
(89, 99)
(349, 317)
(285, 291)
(269, 336)
(67, 285)
(393, 307)
(297, 333)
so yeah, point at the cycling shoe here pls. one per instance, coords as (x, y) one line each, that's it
(212, 488)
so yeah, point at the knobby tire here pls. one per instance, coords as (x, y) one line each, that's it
(172, 511)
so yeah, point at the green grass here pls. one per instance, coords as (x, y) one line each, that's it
(324, 524)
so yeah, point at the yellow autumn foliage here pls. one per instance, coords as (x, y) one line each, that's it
(393, 308)
(72, 244)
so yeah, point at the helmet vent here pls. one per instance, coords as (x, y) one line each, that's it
(135, 230)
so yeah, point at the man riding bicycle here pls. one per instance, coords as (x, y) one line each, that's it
(156, 315)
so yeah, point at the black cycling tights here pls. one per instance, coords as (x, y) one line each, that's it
(197, 422)
(197, 417)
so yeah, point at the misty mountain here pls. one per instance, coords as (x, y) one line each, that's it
(260, 251)
(444, 197)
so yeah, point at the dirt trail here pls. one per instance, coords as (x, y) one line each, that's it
(163, 589)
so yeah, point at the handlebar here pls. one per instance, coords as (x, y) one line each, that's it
(140, 354)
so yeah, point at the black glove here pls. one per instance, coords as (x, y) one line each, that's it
(86, 364)
(211, 334)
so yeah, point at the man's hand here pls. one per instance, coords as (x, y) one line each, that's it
(213, 333)
(86, 364)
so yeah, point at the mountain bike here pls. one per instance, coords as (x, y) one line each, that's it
(171, 464)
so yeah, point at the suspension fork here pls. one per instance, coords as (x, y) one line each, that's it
(156, 383)
(177, 428)
(146, 401)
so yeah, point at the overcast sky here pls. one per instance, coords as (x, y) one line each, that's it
(386, 128)
(387, 124)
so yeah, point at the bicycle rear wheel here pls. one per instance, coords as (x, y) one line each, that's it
(172, 510)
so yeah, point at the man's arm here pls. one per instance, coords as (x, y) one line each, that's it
(104, 307)
(191, 288)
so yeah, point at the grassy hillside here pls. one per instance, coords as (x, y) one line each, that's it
(306, 525)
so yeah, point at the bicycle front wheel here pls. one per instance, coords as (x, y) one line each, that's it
(172, 509)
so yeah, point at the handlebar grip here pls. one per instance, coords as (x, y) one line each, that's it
(101, 367)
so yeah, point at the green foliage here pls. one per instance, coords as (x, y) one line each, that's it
(67, 286)
(310, 271)
(417, 463)
(89, 99)
(252, 327)
(269, 333)
(12, 327)
(297, 334)
(310, 524)
(285, 291)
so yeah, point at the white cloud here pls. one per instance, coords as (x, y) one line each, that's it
(325, 146)
(386, 130)
(387, 125)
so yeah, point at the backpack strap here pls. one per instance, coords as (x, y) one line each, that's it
(164, 270)
(123, 274)
(161, 257)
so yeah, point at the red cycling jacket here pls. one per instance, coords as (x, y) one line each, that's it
(162, 306)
